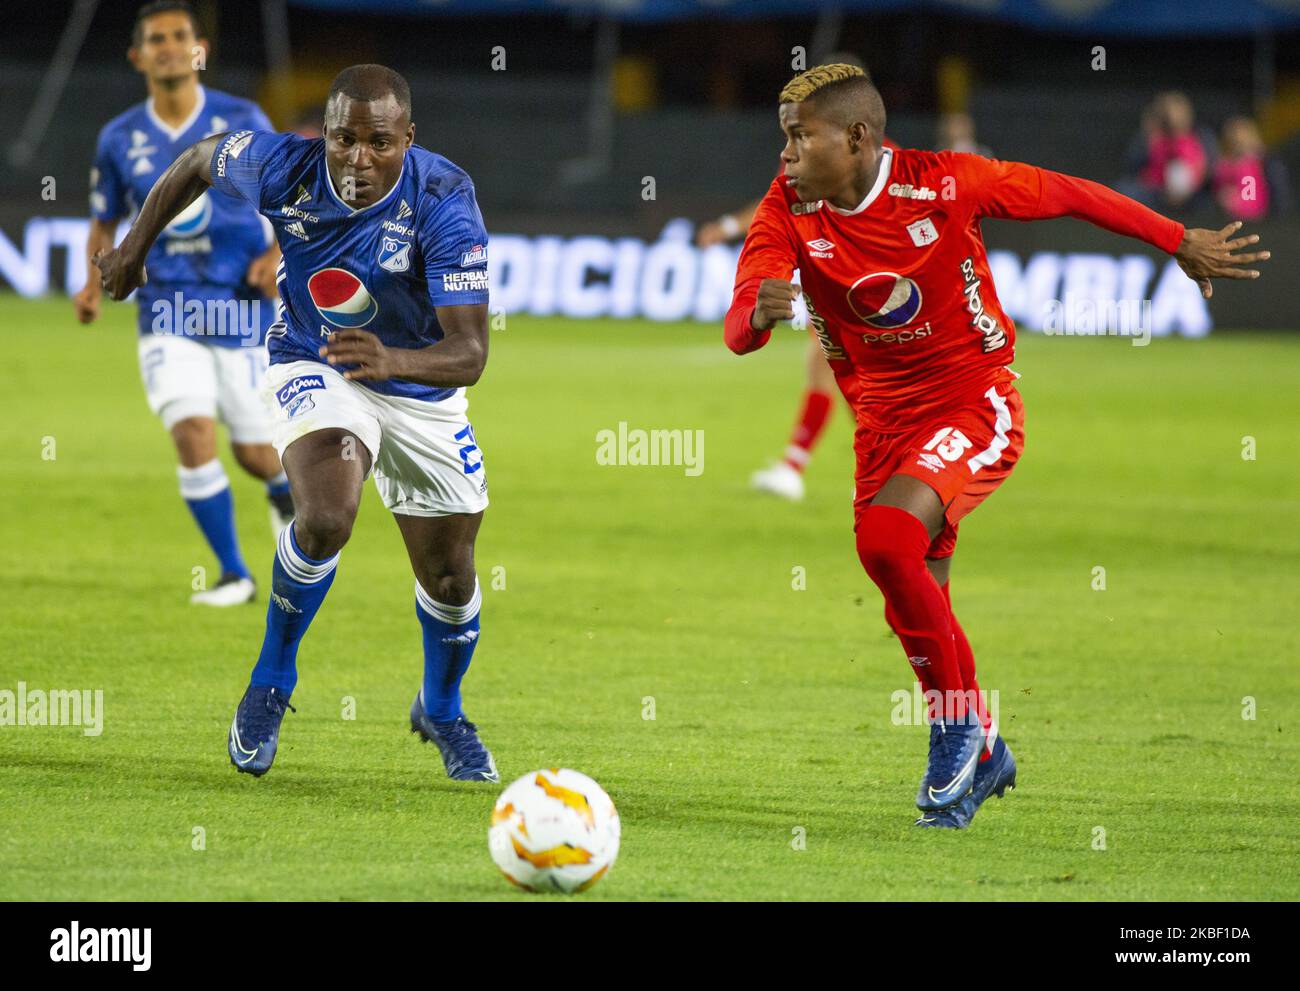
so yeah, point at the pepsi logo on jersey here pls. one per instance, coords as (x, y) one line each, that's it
(341, 298)
(193, 220)
(886, 300)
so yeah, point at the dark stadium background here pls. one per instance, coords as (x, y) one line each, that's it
(596, 96)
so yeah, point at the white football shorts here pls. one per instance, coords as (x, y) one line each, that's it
(184, 378)
(423, 454)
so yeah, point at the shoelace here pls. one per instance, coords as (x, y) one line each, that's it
(276, 704)
(463, 740)
(950, 742)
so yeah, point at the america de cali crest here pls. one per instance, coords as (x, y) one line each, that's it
(923, 232)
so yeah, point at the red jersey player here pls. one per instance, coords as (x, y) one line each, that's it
(785, 477)
(898, 291)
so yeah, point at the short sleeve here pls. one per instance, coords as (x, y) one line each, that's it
(455, 250)
(244, 160)
(107, 190)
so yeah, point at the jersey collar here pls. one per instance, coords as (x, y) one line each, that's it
(882, 177)
(329, 184)
(186, 124)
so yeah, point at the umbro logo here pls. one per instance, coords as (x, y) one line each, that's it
(931, 461)
(403, 210)
(821, 248)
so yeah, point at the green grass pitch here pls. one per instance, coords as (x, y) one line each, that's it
(772, 705)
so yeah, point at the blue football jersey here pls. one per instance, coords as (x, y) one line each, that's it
(205, 252)
(384, 267)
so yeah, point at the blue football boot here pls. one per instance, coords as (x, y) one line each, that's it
(463, 753)
(955, 746)
(255, 730)
(993, 777)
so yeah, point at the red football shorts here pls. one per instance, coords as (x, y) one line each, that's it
(963, 456)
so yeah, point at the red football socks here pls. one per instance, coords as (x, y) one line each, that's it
(892, 545)
(966, 662)
(812, 421)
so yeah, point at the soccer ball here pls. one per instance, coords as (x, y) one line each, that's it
(554, 830)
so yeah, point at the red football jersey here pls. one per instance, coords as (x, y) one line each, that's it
(898, 289)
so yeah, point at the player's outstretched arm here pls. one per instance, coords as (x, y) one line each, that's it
(184, 181)
(1204, 255)
(455, 361)
(1024, 192)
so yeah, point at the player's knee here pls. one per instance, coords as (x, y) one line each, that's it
(322, 532)
(195, 440)
(452, 588)
(891, 543)
(258, 460)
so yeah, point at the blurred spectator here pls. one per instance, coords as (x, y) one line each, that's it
(1248, 183)
(956, 132)
(1169, 163)
(309, 122)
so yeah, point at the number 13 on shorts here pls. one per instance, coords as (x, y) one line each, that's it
(948, 443)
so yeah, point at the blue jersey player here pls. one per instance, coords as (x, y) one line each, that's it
(205, 308)
(382, 325)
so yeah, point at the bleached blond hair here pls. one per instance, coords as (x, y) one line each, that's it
(844, 92)
(804, 85)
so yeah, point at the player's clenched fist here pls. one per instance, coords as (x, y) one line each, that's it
(775, 302)
(120, 273)
(87, 302)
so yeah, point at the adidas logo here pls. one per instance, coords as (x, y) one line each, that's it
(297, 230)
(465, 639)
(284, 603)
(403, 210)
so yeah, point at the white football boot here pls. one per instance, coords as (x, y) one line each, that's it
(230, 591)
(780, 480)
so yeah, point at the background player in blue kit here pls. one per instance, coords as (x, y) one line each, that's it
(204, 312)
(382, 325)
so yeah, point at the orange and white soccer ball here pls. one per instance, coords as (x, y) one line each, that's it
(554, 830)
